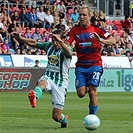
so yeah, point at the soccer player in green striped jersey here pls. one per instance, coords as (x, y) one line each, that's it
(55, 79)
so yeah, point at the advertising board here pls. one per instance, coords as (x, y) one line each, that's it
(29, 61)
(6, 60)
(20, 79)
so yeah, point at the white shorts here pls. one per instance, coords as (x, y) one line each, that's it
(57, 93)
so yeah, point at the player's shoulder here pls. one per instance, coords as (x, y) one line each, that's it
(98, 27)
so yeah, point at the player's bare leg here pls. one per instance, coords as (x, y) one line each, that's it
(93, 104)
(59, 117)
(81, 91)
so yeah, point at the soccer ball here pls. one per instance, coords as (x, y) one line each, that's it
(91, 122)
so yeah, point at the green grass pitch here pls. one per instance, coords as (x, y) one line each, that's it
(16, 116)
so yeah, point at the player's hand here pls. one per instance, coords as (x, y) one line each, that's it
(16, 35)
(57, 37)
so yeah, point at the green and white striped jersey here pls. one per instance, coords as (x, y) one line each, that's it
(58, 64)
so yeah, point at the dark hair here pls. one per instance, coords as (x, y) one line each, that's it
(36, 60)
(59, 32)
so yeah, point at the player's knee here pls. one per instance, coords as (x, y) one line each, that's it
(80, 94)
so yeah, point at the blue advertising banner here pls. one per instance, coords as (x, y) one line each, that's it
(6, 61)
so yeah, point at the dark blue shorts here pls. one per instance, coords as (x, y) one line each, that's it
(86, 76)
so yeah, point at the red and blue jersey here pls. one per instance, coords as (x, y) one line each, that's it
(87, 48)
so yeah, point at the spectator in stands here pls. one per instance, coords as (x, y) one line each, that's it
(5, 47)
(38, 52)
(13, 26)
(53, 7)
(23, 16)
(128, 48)
(33, 19)
(102, 20)
(46, 5)
(69, 24)
(6, 16)
(15, 16)
(13, 7)
(95, 18)
(36, 35)
(130, 39)
(109, 50)
(124, 38)
(36, 63)
(18, 51)
(56, 17)
(74, 16)
(2, 33)
(28, 52)
(111, 53)
(62, 23)
(128, 54)
(1, 23)
(27, 33)
(115, 35)
(108, 26)
(116, 50)
(9, 40)
(127, 24)
(48, 20)
(45, 36)
(41, 15)
(61, 7)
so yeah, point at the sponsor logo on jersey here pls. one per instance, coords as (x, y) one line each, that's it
(53, 59)
(85, 44)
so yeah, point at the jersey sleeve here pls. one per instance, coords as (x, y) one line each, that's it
(70, 39)
(44, 46)
(102, 33)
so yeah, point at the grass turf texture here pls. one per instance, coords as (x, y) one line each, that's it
(16, 116)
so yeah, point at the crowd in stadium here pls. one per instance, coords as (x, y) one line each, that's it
(38, 19)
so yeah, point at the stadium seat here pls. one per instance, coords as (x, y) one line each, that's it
(115, 22)
(118, 26)
(42, 30)
(70, 11)
(109, 22)
(121, 32)
(67, 16)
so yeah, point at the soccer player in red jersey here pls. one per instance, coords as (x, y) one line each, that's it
(88, 38)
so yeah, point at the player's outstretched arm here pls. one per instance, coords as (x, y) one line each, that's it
(108, 41)
(30, 42)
